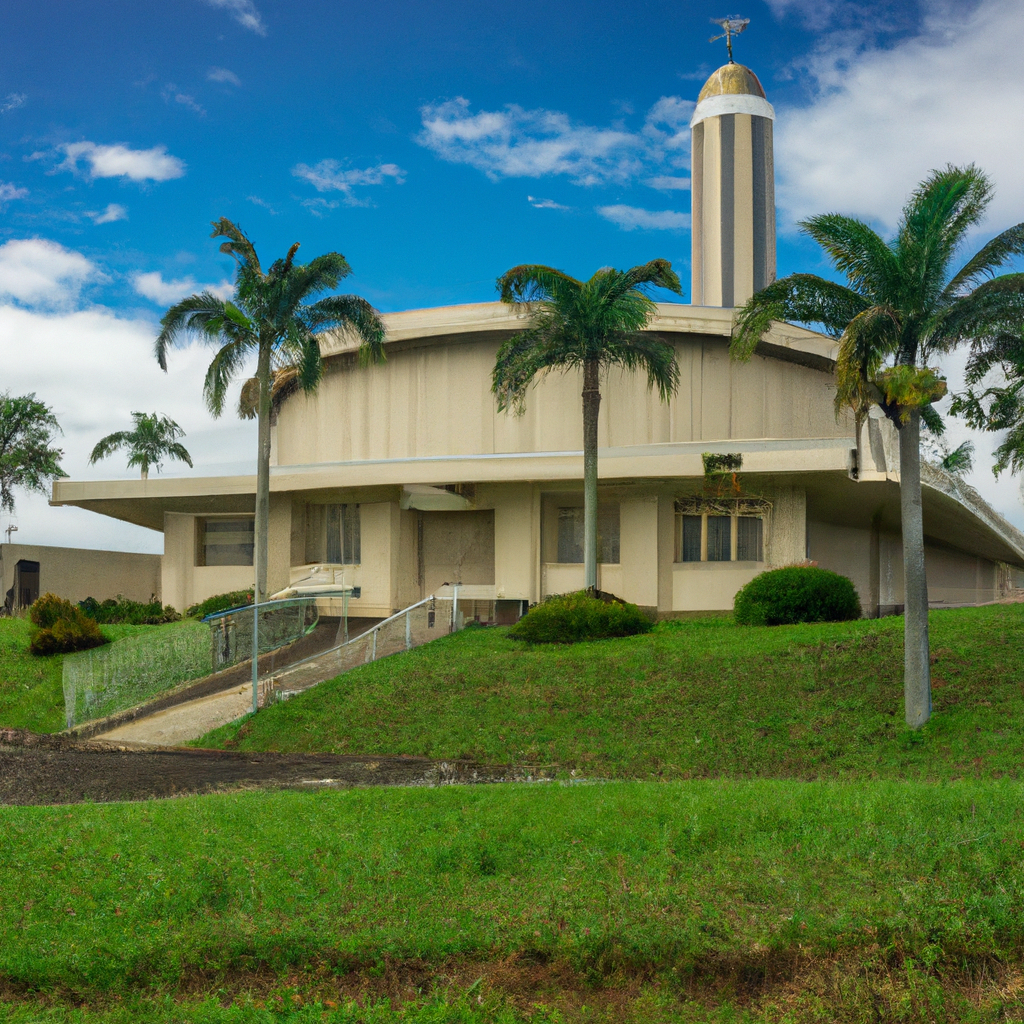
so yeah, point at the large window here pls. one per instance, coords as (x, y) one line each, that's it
(225, 541)
(570, 534)
(332, 534)
(720, 531)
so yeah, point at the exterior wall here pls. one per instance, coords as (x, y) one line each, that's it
(874, 561)
(185, 583)
(710, 586)
(434, 399)
(78, 573)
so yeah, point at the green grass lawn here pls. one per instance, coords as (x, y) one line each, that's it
(682, 897)
(31, 696)
(693, 699)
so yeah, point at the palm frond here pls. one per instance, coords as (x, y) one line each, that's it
(238, 245)
(354, 313)
(202, 316)
(857, 251)
(227, 362)
(532, 281)
(989, 258)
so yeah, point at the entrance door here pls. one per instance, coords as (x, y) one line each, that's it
(456, 547)
(26, 583)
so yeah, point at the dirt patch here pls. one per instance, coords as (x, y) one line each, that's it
(37, 769)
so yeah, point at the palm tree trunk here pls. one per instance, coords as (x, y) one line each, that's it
(917, 689)
(591, 408)
(262, 472)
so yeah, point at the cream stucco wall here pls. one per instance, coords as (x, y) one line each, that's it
(78, 573)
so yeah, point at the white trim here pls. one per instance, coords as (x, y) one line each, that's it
(741, 103)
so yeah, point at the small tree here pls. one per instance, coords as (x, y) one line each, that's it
(27, 456)
(153, 438)
(589, 326)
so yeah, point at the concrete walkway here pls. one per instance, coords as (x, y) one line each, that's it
(185, 722)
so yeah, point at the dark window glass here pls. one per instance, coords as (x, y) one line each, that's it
(690, 548)
(719, 538)
(750, 539)
(332, 534)
(226, 541)
(570, 535)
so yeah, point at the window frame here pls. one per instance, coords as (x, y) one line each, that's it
(201, 543)
(704, 509)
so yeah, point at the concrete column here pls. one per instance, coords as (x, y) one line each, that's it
(786, 540)
(279, 542)
(179, 559)
(515, 557)
(666, 549)
(638, 550)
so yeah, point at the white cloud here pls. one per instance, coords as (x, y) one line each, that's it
(223, 75)
(38, 272)
(629, 218)
(545, 204)
(67, 360)
(319, 206)
(12, 101)
(257, 201)
(121, 162)
(9, 191)
(518, 143)
(883, 118)
(668, 183)
(113, 212)
(153, 286)
(171, 92)
(244, 12)
(328, 176)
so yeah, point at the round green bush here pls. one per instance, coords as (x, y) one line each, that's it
(220, 603)
(570, 618)
(796, 593)
(62, 627)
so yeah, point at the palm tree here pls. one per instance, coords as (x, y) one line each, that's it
(154, 438)
(270, 316)
(902, 304)
(589, 326)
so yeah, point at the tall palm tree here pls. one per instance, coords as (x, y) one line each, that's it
(588, 326)
(270, 315)
(154, 438)
(903, 303)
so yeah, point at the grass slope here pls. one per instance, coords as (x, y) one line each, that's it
(31, 695)
(700, 698)
(690, 889)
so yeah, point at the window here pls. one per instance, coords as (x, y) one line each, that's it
(708, 532)
(225, 541)
(570, 534)
(332, 534)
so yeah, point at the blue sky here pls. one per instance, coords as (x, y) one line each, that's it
(435, 145)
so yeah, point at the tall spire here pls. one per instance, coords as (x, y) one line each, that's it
(733, 184)
(733, 25)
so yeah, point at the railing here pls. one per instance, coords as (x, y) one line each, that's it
(418, 624)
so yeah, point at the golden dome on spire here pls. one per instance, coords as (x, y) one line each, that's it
(732, 80)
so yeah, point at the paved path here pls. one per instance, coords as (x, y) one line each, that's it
(185, 722)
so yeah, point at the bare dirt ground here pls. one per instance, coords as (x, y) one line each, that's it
(47, 769)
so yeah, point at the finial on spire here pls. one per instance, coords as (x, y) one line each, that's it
(733, 25)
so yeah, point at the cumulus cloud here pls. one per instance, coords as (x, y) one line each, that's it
(12, 101)
(668, 183)
(171, 93)
(223, 75)
(38, 272)
(153, 286)
(244, 12)
(330, 176)
(9, 191)
(545, 204)
(518, 143)
(119, 161)
(113, 212)
(629, 218)
(881, 120)
(85, 345)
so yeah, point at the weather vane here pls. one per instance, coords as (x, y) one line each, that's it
(733, 26)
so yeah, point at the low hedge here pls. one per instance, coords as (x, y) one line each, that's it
(220, 603)
(128, 612)
(571, 618)
(62, 627)
(796, 593)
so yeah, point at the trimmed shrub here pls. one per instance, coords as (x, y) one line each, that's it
(570, 618)
(126, 611)
(62, 627)
(796, 593)
(220, 603)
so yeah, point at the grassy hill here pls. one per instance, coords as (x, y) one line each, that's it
(692, 699)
